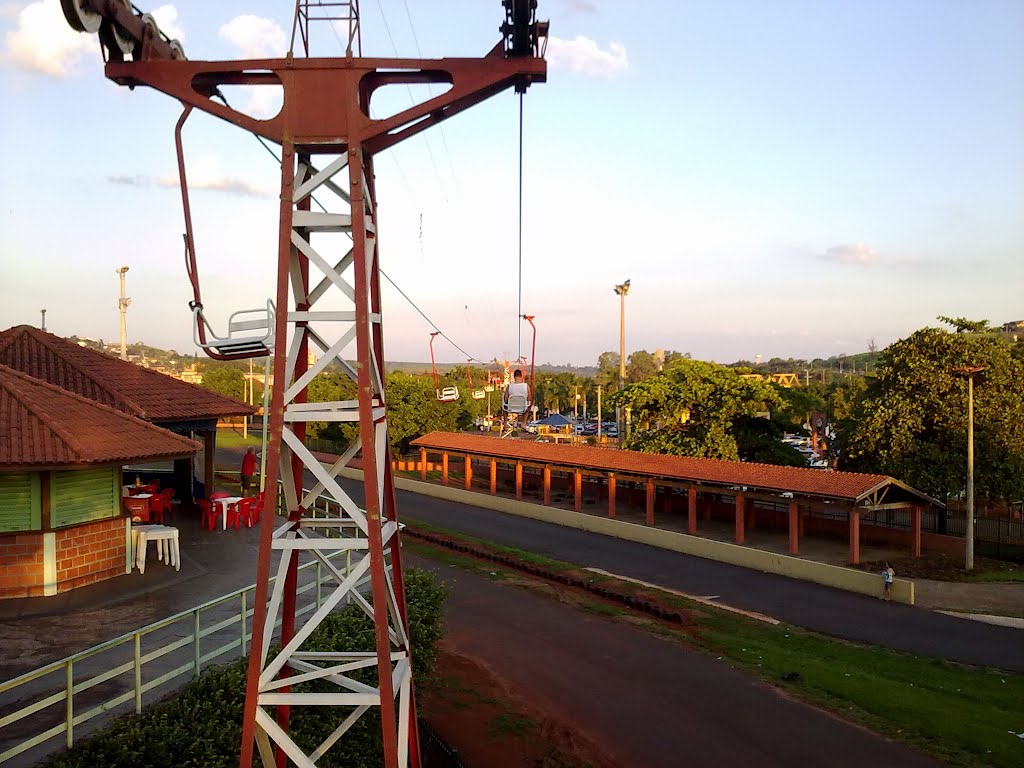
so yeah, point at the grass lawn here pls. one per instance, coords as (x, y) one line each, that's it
(964, 716)
(229, 438)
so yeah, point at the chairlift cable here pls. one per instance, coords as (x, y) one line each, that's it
(519, 312)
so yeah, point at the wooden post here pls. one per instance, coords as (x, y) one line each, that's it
(444, 468)
(469, 472)
(611, 494)
(547, 486)
(794, 528)
(691, 510)
(915, 524)
(519, 479)
(494, 476)
(650, 502)
(577, 490)
(740, 511)
(854, 536)
(209, 448)
(423, 463)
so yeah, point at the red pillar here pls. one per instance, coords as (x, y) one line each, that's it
(444, 468)
(469, 472)
(854, 537)
(740, 510)
(915, 524)
(519, 479)
(794, 528)
(650, 502)
(494, 476)
(423, 463)
(547, 486)
(611, 494)
(691, 510)
(577, 490)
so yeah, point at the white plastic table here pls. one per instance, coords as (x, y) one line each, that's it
(167, 548)
(223, 503)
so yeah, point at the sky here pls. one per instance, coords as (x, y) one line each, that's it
(783, 178)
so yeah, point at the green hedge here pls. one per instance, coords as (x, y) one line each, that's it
(201, 726)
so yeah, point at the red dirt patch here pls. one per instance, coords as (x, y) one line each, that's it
(491, 726)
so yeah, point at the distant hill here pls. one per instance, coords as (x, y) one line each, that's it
(409, 367)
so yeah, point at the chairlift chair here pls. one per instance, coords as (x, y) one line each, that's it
(477, 394)
(250, 331)
(443, 394)
(515, 406)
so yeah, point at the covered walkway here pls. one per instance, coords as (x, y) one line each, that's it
(863, 508)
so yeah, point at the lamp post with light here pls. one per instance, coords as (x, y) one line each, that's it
(621, 290)
(969, 371)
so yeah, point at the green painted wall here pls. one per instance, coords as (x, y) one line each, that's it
(20, 502)
(84, 495)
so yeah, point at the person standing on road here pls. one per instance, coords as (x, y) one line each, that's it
(887, 578)
(248, 470)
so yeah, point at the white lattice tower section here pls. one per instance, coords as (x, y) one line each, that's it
(366, 537)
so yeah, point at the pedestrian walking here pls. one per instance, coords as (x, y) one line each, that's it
(887, 578)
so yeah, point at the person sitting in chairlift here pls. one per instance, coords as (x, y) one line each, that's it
(516, 387)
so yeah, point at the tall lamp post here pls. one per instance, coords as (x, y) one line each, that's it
(969, 371)
(621, 290)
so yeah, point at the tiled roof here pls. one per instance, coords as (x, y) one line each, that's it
(768, 477)
(128, 387)
(42, 425)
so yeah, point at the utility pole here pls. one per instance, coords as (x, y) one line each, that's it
(123, 306)
(43, 328)
(598, 413)
(969, 371)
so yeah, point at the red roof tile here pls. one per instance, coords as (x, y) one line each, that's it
(42, 425)
(148, 394)
(768, 477)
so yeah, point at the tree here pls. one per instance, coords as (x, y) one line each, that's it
(912, 423)
(225, 379)
(690, 409)
(640, 365)
(963, 325)
(414, 410)
(608, 370)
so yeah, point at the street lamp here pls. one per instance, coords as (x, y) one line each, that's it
(969, 371)
(621, 290)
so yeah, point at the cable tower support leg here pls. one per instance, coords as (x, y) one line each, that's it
(274, 686)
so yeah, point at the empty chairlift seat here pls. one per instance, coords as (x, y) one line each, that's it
(250, 333)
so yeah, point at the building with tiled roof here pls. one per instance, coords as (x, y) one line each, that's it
(791, 497)
(61, 457)
(183, 408)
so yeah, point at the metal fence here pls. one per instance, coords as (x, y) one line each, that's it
(68, 698)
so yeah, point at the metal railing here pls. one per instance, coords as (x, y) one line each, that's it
(66, 697)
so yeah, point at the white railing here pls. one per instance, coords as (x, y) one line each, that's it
(59, 704)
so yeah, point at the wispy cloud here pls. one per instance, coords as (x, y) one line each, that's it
(851, 254)
(43, 43)
(255, 37)
(580, 7)
(203, 175)
(130, 181)
(167, 19)
(583, 55)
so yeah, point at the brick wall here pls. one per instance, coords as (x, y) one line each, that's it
(89, 553)
(21, 565)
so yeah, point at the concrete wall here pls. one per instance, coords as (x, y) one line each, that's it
(847, 579)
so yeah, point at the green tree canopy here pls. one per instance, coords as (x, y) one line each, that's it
(963, 325)
(912, 424)
(225, 379)
(691, 409)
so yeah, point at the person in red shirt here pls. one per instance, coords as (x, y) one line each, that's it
(248, 470)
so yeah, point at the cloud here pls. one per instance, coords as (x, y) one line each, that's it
(255, 37)
(9, 10)
(203, 173)
(167, 19)
(44, 43)
(855, 254)
(583, 55)
(130, 181)
(580, 6)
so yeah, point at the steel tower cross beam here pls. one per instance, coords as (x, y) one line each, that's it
(328, 141)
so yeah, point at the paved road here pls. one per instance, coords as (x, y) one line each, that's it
(822, 609)
(642, 699)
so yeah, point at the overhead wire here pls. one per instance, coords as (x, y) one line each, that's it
(519, 325)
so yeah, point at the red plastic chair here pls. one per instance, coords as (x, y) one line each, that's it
(219, 495)
(257, 507)
(239, 511)
(210, 516)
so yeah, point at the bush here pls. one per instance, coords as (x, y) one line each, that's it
(201, 726)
